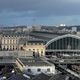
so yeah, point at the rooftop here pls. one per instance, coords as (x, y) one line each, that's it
(18, 77)
(33, 62)
(41, 76)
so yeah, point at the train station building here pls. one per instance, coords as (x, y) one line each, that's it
(65, 45)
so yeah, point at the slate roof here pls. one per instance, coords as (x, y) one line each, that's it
(25, 40)
(13, 33)
(33, 62)
(36, 41)
(41, 76)
(58, 77)
(17, 77)
(62, 76)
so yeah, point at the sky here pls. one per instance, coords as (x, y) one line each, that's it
(39, 12)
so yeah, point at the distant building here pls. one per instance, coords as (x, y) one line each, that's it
(74, 29)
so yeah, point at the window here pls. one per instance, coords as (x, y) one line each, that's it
(29, 49)
(35, 43)
(16, 48)
(13, 47)
(4, 42)
(39, 70)
(41, 51)
(4, 48)
(13, 41)
(21, 48)
(31, 43)
(33, 49)
(48, 70)
(7, 49)
(34, 54)
(37, 50)
(41, 54)
(10, 41)
(24, 44)
(29, 70)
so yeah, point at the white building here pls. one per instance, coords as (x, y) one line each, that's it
(40, 69)
(36, 66)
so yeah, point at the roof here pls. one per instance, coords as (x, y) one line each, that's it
(44, 36)
(33, 62)
(25, 40)
(22, 41)
(18, 77)
(36, 41)
(63, 36)
(13, 33)
(63, 76)
(59, 77)
(41, 76)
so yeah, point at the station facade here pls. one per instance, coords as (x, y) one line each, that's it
(65, 45)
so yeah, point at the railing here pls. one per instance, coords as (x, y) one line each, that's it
(64, 61)
(66, 50)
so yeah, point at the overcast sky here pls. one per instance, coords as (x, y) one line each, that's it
(39, 12)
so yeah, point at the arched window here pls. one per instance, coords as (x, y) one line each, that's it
(38, 70)
(29, 70)
(48, 70)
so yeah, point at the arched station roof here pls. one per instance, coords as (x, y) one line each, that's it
(60, 37)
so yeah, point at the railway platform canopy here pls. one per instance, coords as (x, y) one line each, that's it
(65, 45)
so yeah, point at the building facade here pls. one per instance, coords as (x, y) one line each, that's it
(21, 42)
(60, 45)
(9, 43)
(37, 47)
(66, 45)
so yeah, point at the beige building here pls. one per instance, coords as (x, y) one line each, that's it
(9, 43)
(19, 42)
(35, 46)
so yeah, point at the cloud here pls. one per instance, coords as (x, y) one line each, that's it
(15, 14)
(42, 7)
(44, 11)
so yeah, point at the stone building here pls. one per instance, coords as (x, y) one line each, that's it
(35, 46)
(11, 41)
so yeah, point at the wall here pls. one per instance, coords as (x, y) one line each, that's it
(38, 49)
(43, 69)
(9, 43)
